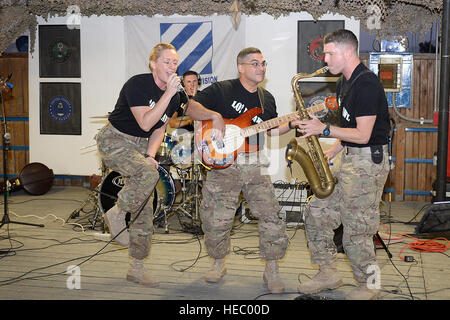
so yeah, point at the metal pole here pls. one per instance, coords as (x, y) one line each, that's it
(443, 104)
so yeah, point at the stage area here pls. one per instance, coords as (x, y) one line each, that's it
(35, 260)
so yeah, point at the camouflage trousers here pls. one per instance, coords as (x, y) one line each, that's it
(355, 204)
(124, 154)
(219, 203)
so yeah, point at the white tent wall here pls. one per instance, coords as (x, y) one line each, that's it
(104, 69)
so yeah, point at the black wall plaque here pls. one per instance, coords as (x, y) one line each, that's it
(59, 52)
(310, 35)
(60, 108)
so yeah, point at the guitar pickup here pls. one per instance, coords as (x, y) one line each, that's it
(204, 147)
(220, 144)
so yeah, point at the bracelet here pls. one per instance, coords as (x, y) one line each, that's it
(290, 125)
(146, 155)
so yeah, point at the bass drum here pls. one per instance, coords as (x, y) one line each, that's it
(164, 193)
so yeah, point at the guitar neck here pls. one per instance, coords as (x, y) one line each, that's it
(317, 107)
(266, 125)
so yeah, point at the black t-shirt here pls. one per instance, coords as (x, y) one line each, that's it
(140, 90)
(365, 97)
(231, 99)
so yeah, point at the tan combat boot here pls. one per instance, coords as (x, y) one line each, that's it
(327, 278)
(138, 274)
(217, 271)
(272, 278)
(362, 292)
(115, 220)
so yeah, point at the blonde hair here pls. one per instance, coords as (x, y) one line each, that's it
(156, 52)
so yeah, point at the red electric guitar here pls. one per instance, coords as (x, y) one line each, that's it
(222, 155)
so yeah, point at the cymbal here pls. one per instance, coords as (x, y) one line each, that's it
(100, 117)
(182, 118)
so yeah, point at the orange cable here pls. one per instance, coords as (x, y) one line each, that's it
(426, 245)
(421, 245)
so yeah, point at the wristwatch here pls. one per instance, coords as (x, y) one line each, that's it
(326, 131)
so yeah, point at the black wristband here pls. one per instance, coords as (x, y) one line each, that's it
(146, 155)
(290, 125)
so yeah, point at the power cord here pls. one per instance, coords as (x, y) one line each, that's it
(424, 246)
(22, 277)
(87, 257)
(195, 260)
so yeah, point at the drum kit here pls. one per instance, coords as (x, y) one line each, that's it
(178, 190)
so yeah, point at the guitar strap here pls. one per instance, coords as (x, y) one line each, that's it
(261, 98)
(261, 101)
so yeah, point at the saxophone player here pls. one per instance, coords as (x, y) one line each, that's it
(362, 137)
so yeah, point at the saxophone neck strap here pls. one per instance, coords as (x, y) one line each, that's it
(344, 90)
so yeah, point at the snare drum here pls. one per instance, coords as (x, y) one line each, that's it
(164, 193)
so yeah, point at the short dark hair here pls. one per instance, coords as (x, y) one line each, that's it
(190, 72)
(245, 52)
(342, 36)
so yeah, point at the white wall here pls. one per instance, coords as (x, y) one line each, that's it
(103, 74)
(102, 77)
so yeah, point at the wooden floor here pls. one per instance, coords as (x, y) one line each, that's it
(35, 260)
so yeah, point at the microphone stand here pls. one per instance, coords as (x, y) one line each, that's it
(6, 141)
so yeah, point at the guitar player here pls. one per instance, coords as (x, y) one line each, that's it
(232, 98)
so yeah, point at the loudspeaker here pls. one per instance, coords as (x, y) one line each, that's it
(435, 219)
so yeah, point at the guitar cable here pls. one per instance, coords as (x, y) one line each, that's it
(183, 106)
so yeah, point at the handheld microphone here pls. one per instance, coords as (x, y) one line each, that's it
(180, 88)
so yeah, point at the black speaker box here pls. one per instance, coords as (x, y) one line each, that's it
(435, 219)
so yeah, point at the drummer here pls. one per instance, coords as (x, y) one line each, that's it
(191, 81)
(182, 138)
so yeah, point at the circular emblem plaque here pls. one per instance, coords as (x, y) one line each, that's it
(59, 51)
(315, 49)
(60, 109)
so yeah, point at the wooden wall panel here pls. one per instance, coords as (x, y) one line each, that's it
(16, 109)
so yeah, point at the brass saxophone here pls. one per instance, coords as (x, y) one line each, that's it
(314, 165)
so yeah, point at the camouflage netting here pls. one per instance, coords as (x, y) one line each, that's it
(382, 18)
